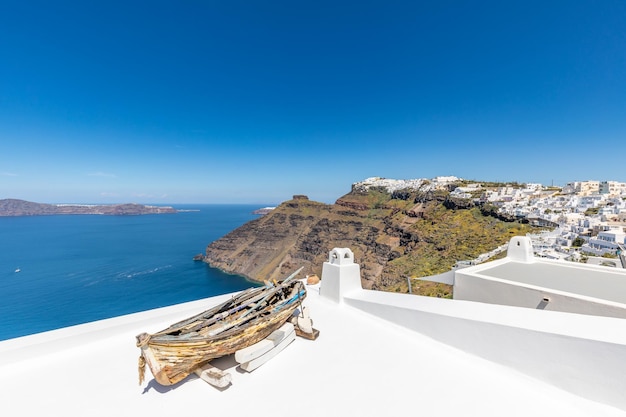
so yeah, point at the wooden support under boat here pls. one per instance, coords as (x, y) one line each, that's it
(258, 349)
(275, 350)
(214, 376)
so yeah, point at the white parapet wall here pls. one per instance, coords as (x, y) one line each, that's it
(582, 354)
(523, 280)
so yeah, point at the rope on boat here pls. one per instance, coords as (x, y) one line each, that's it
(141, 368)
(142, 339)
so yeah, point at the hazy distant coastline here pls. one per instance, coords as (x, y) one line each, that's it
(14, 207)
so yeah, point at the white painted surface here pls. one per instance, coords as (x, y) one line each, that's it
(377, 354)
(264, 358)
(214, 376)
(91, 370)
(340, 274)
(581, 354)
(252, 352)
(544, 284)
(520, 249)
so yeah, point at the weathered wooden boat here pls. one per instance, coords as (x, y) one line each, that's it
(243, 320)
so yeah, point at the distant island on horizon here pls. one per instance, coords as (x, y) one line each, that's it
(14, 207)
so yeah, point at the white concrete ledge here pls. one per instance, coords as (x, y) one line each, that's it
(526, 281)
(581, 354)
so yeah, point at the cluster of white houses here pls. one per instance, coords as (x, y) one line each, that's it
(612, 188)
(587, 215)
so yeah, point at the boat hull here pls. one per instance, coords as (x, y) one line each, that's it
(174, 353)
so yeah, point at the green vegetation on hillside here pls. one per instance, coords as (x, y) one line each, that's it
(447, 236)
(432, 242)
(394, 237)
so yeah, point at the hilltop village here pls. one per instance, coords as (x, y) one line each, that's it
(587, 219)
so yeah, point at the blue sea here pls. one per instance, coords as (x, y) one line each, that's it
(58, 271)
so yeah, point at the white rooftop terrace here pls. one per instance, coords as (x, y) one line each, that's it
(524, 280)
(377, 354)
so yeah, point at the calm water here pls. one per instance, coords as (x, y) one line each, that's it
(77, 269)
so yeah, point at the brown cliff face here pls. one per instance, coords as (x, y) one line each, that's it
(392, 237)
(297, 233)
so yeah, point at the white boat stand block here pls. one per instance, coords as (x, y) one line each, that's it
(214, 376)
(254, 351)
(259, 360)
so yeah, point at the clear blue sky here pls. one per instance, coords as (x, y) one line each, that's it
(254, 101)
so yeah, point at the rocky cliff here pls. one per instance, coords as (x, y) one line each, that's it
(394, 235)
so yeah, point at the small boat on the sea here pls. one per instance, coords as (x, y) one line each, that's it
(243, 320)
(18, 270)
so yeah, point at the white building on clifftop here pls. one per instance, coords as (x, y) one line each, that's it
(392, 185)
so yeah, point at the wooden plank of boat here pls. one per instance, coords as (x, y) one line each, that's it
(206, 322)
(214, 376)
(258, 308)
(240, 301)
(270, 293)
(252, 352)
(255, 363)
